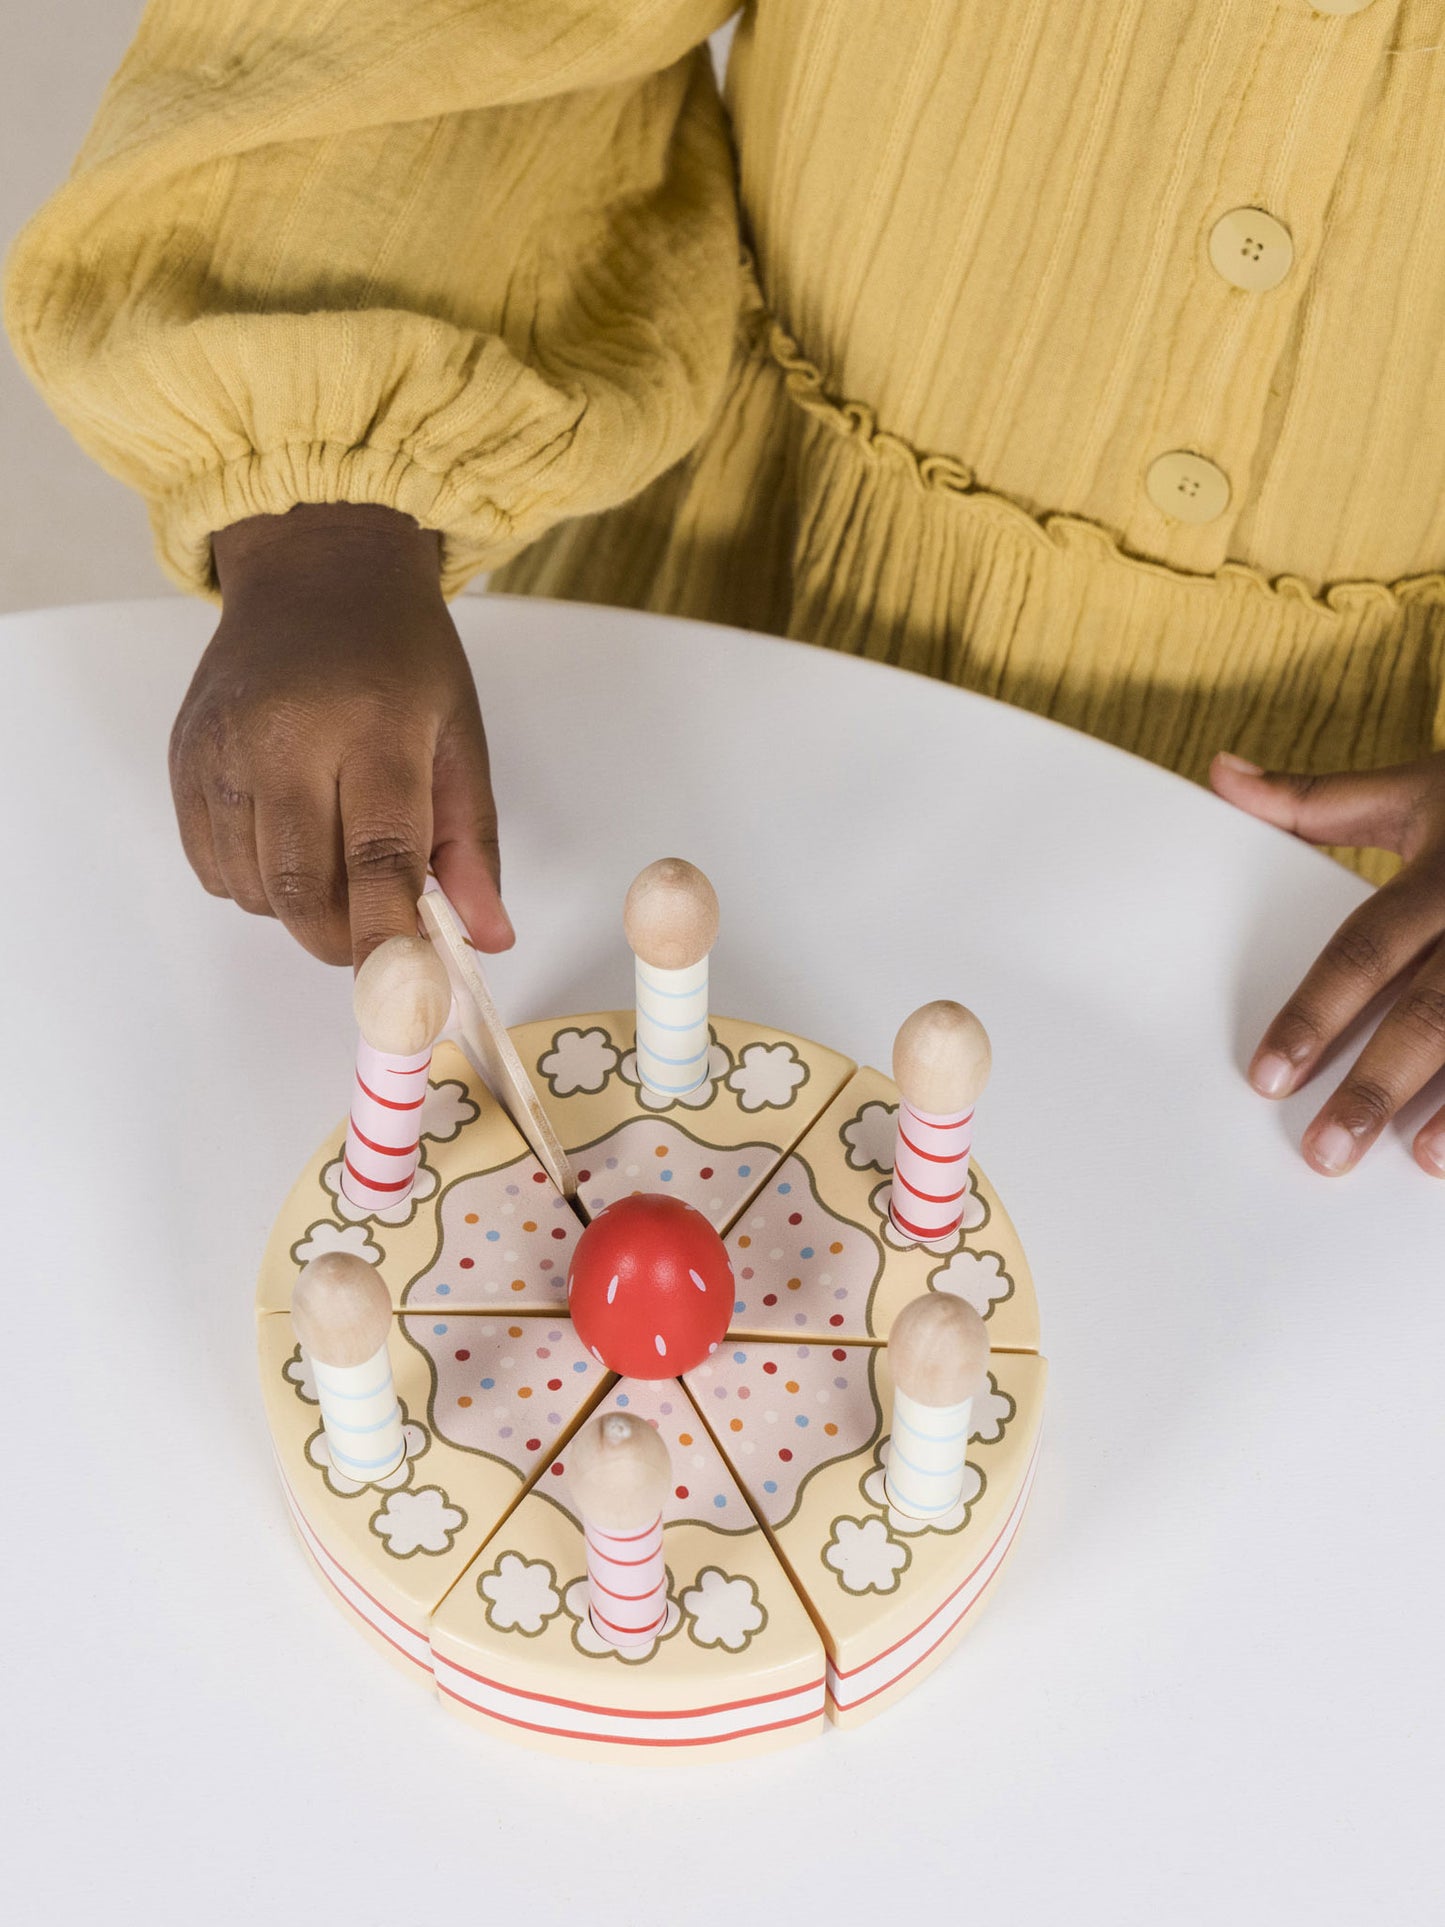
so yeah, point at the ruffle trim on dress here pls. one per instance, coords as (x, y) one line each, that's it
(765, 338)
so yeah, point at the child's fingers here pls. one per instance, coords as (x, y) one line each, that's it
(1429, 1145)
(233, 836)
(1400, 1059)
(1371, 948)
(298, 856)
(1367, 809)
(193, 819)
(466, 852)
(386, 839)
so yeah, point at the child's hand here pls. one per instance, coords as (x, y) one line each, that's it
(330, 742)
(1396, 935)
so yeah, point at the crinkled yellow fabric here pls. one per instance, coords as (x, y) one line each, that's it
(474, 262)
(879, 360)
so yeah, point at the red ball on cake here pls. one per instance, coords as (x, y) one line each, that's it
(650, 1288)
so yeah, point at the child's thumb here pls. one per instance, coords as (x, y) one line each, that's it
(1366, 809)
(466, 852)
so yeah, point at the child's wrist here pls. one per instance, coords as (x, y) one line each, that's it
(317, 541)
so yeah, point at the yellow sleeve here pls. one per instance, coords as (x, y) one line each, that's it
(476, 262)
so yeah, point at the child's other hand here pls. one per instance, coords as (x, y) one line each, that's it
(1396, 938)
(330, 742)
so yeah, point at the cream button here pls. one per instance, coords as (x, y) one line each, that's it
(1251, 248)
(1186, 487)
(1338, 6)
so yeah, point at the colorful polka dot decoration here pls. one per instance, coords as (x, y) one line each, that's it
(798, 1268)
(785, 1410)
(655, 1154)
(704, 1490)
(507, 1387)
(506, 1242)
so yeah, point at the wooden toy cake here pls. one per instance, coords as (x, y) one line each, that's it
(649, 1380)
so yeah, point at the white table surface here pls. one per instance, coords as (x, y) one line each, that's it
(1208, 1687)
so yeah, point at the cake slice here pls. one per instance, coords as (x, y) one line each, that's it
(484, 1403)
(805, 1429)
(714, 1147)
(484, 1229)
(816, 1257)
(737, 1666)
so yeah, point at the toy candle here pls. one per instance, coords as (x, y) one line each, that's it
(671, 920)
(401, 999)
(938, 1354)
(620, 1476)
(941, 1062)
(341, 1314)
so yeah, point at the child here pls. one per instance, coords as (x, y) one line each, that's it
(1087, 355)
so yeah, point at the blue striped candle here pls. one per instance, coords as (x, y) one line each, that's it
(673, 1040)
(927, 1455)
(362, 1417)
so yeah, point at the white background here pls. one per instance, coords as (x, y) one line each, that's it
(67, 531)
(1208, 1686)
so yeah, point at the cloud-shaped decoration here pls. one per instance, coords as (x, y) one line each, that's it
(870, 1137)
(977, 1276)
(992, 1411)
(722, 1611)
(975, 1217)
(579, 1060)
(414, 1442)
(767, 1076)
(521, 1594)
(445, 1109)
(297, 1371)
(421, 1521)
(324, 1237)
(865, 1555)
(587, 1639)
(875, 1491)
(426, 1183)
(719, 1063)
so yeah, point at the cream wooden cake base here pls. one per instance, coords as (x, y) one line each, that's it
(796, 1594)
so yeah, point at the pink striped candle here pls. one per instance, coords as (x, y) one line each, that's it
(619, 1478)
(626, 1584)
(383, 1137)
(930, 1172)
(401, 997)
(941, 1062)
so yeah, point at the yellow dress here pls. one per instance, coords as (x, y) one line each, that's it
(1090, 355)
